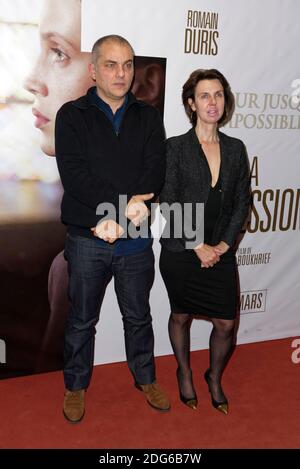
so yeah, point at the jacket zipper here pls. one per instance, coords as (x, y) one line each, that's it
(117, 134)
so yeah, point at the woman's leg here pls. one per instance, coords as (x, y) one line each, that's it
(220, 346)
(179, 332)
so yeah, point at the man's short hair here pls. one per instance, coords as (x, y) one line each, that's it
(110, 38)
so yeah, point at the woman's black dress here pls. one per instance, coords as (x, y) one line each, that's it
(210, 292)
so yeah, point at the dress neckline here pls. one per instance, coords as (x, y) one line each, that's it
(218, 180)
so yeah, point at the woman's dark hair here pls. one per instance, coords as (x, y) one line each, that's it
(188, 91)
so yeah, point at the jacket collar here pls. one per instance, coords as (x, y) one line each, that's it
(86, 101)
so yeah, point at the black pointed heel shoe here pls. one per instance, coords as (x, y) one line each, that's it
(191, 402)
(221, 406)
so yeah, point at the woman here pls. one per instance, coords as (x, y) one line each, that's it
(209, 167)
(60, 74)
(61, 71)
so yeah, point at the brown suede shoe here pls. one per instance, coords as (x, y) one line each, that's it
(74, 405)
(155, 396)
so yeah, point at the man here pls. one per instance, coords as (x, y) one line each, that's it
(108, 145)
(60, 74)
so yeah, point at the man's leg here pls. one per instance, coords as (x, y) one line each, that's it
(89, 269)
(134, 275)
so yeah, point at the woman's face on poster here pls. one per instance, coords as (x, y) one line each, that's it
(61, 70)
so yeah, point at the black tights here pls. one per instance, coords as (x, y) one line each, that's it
(220, 345)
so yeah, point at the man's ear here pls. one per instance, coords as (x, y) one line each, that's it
(148, 83)
(92, 71)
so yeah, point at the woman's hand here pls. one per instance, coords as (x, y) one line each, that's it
(207, 255)
(221, 248)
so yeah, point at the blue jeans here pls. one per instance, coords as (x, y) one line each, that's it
(90, 270)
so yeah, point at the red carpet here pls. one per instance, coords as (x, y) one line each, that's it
(261, 383)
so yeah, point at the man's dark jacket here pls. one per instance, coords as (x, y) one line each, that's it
(97, 165)
(188, 179)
